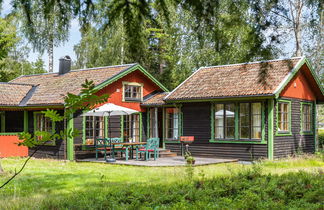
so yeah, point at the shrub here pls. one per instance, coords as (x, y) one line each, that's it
(321, 138)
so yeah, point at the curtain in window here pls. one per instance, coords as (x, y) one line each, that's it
(256, 121)
(283, 120)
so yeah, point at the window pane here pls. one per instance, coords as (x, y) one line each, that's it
(245, 132)
(245, 120)
(256, 133)
(229, 121)
(283, 117)
(219, 121)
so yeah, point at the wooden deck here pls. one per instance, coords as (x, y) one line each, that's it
(166, 161)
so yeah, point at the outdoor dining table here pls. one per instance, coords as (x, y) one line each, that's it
(126, 144)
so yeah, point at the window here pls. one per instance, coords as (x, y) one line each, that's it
(132, 91)
(225, 121)
(2, 122)
(283, 117)
(42, 123)
(306, 117)
(153, 121)
(94, 128)
(172, 123)
(250, 120)
(132, 128)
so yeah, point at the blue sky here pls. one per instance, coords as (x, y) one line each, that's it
(64, 49)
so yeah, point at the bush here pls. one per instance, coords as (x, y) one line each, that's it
(321, 138)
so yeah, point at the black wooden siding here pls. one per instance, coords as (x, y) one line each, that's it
(48, 151)
(196, 122)
(288, 145)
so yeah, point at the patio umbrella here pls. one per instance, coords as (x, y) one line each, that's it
(108, 110)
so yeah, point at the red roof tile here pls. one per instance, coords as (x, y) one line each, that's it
(11, 94)
(52, 87)
(248, 79)
(156, 100)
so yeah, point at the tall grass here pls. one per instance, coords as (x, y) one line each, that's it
(48, 184)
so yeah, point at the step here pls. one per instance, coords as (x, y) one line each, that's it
(167, 154)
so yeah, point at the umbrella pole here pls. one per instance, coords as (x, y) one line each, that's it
(111, 158)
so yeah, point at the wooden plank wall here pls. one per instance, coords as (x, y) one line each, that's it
(288, 145)
(196, 122)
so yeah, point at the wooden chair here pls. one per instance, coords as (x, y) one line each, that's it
(119, 148)
(151, 147)
(102, 145)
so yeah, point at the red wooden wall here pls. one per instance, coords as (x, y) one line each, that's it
(299, 87)
(115, 90)
(9, 147)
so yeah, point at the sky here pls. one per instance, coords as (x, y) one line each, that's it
(65, 49)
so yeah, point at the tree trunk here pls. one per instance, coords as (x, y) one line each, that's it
(50, 55)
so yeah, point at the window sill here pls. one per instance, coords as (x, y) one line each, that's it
(133, 100)
(237, 141)
(283, 134)
(171, 141)
(306, 133)
(10, 134)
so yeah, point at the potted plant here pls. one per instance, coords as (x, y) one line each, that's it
(190, 160)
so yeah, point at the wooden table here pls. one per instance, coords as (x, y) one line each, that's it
(126, 144)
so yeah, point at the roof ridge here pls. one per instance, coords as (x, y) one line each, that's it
(104, 67)
(254, 62)
(13, 83)
(76, 70)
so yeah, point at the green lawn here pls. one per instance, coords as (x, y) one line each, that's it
(294, 183)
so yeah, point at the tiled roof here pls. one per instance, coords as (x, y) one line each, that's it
(52, 87)
(11, 94)
(247, 79)
(156, 100)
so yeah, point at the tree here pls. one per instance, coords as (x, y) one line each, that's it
(173, 46)
(300, 21)
(43, 24)
(15, 62)
(7, 37)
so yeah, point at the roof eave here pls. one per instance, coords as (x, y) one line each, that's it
(201, 99)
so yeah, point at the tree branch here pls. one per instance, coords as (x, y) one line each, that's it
(22, 168)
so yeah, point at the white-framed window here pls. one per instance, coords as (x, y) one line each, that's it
(132, 91)
(172, 123)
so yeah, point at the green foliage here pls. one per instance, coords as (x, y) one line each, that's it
(170, 42)
(321, 138)
(7, 37)
(14, 62)
(48, 184)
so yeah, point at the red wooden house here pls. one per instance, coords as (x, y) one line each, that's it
(247, 111)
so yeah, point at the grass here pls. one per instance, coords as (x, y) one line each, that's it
(48, 184)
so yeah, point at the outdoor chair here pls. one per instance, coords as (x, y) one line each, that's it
(102, 145)
(120, 148)
(151, 147)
